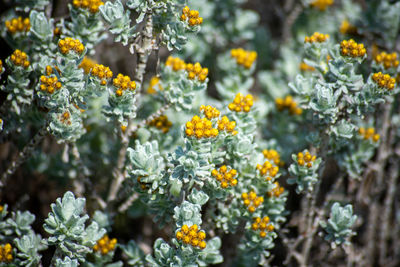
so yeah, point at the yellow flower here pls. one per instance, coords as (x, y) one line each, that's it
(68, 44)
(87, 64)
(19, 58)
(276, 191)
(105, 245)
(384, 80)
(321, 4)
(122, 83)
(18, 25)
(388, 60)
(161, 123)
(288, 103)
(191, 236)
(350, 48)
(191, 16)
(243, 57)
(252, 201)
(316, 38)
(369, 133)
(6, 253)
(102, 72)
(200, 128)
(225, 177)
(241, 103)
(91, 5)
(50, 82)
(305, 159)
(262, 225)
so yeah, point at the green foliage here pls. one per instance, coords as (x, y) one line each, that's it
(338, 227)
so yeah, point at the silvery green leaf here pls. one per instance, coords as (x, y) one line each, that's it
(187, 213)
(41, 28)
(211, 254)
(21, 222)
(339, 225)
(28, 246)
(134, 253)
(119, 21)
(67, 262)
(343, 129)
(198, 197)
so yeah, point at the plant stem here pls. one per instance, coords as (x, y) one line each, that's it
(143, 51)
(24, 154)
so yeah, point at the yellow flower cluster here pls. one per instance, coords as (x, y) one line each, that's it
(192, 16)
(304, 67)
(102, 72)
(49, 83)
(225, 177)
(384, 80)
(175, 63)
(369, 133)
(65, 118)
(200, 128)
(350, 48)
(305, 159)
(272, 155)
(19, 58)
(268, 169)
(192, 236)
(262, 224)
(241, 103)
(244, 57)
(225, 125)
(316, 38)
(209, 111)
(18, 25)
(251, 201)
(153, 82)
(289, 104)
(388, 60)
(6, 253)
(87, 64)
(122, 83)
(105, 245)
(1, 207)
(276, 191)
(161, 123)
(1, 65)
(321, 4)
(68, 44)
(347, 28)
(92, 5)
(196, 71)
